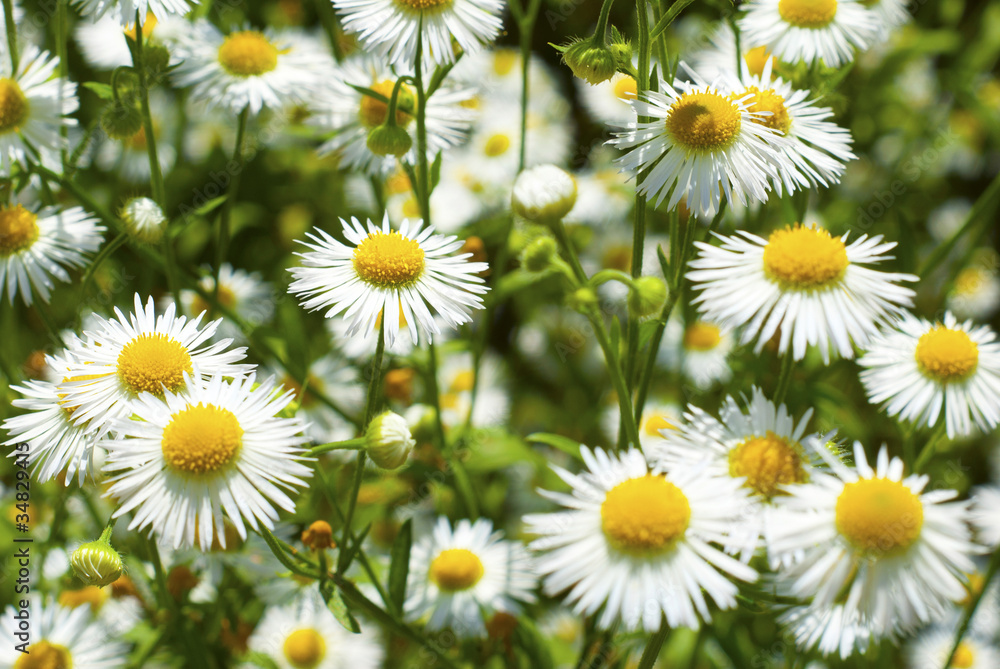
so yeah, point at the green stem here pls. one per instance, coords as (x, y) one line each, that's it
(348, 445)
(62, 24)
(422, 189)
(970, 611)
(787, 363)
(222, 244)
(654, 645)
(8, 15)
(983, 206)
(526, 29)
(156, 177)
(601, 31)
(929, 448)
(105, 253)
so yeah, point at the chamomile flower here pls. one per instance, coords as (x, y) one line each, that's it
(60, 637)
(34, 106)
(889, 15)
(700, 350)
(248, 69)
(361, 349)
(608, 101)
(603, 196)
(701, 143)
(923, 372)
(409, 273)
(930, 651)
(392, 28)
(874, 543)
(634, 545)
(986, 514)
(141, 353)
(492, 402)
(809, 30)
(304, 633)
(103, 42)
(810, 285)
(219, 451)
(244, 292)
(124, 11)
(658, 417)
(976, 293)
(38, 245)
(762, 446)
(459, 575)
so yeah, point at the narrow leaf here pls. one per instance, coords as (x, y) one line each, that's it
(399, 568)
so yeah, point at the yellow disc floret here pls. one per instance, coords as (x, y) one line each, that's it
(496, 145)
(151, 362)
(226, 298)
(374, 111)
(963, 658)
(18, 229)
(879, 515)
(625, 88)
(45, 655)
(13, 106)
(946, 354)
(463, 381)
(389, 260)
(645, 515)
(456, 569)
(420, 5)
(803, 258)
(756, 59)
(304, 648)
(701, 336)
(655, 423)
(704, 121)
(248, 54)
(201, 439)
(769, 101)
(767, 462)
(808, 13)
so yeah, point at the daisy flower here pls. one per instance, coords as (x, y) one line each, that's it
(392, 28)
(809, 30)
(985, 514)
(634, 545)
(219, 451)
(124, 11)
(38, 245)
(103, 44)
(763, 447)
(140, 353)
(34, 105)
(406, 274)
(701, 143)
(976, 293)
(719, 59)
(247, 69)
(350, 115)
(658, 417)
(889, 15)
(608, 101)
(930, 650)
(923, 371)
(244, 292)
(305, 634)
(492, 405)
(61, 637)
(801, 280)
(873, 543)
(700, 350)
(459, 575)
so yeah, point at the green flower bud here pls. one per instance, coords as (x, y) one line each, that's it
(388, 440)
(538, 255)
(582, 299)
(389, 140)
(121, 120)
(97, 563)
(647, 295)
(622, 51)
(590, 61)
(156, 59)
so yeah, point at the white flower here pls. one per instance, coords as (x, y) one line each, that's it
(802, 281)
(608, 101)
(144, 219)
(407, 273)
(930, 650)
(388, 440)
(244, 292)
(922, 370)
(218, 451)
(492, 401)
(657, 418)
(986, 514)
(634, 545)
(124, 11)
(719, 59)
(458, 576)
(889, 15)
(544, 193)
(976, 292)
(700, 350)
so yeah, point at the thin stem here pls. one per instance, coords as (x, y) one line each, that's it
(654, 645)
(222, 244)
(981, 208)
(62, 24)
(929, 448)
(963, 626)
(526, 29)
(105, 253)
(347, 445)
(8, 15)
(156, 176)
(422, 189)
(787, 362)
(600, 32)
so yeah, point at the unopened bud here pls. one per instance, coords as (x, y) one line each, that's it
(590, 61)
(647, 295)
(97, 563)
(143, 219)
(543, 193)
(538, 255)
(388, 440)
(318, 536)
(121, 120)
(389, 140)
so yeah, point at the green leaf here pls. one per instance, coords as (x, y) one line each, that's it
(616, 335)
(103, 91)
(337, 607)
(564, 444)
(210, 206)
(399, 568)
(259, 659)
(527, 637)
(436, 170)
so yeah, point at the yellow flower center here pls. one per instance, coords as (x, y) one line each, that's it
(463, 381)
(456, 569)
(804, 258)
(389, 260)
(18, 229)
(769, 101)
(304, 648)
(701, 337)
(147, 27)
(644, 515)
(969, 281)
(420, 5)
(89, 595)
(656, 422)
(808, 13)
(497, 145)
(625, 88)
(411, 208)
(226, 297)
(373, 111)
(248, 54)
(946, 354)
(13, 106)
(201, 439)
(756, 59)
(879, 515)
(963, 657)
(151, 362)
(767, 462)
(504, 61)
(45, 655)
(704, 121)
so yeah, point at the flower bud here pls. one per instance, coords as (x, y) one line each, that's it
(622, 51)
(121, 120)
(143, 219)
(389, 140)
(590, 61)
(647, 295)
(97, 563)
(156, 58)
(582, 299)
(318, 536)
(388, 440)
(538, 255)
(544, 193)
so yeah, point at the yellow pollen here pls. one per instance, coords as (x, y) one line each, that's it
(701, 336)
(625, 88)
(644, 515)
(657, 422)
(808, 13)
(879, 515)
(767, 462)
(389, 260)
(769, 101)
(18, 230)
(147, 27)
(304, 648)
(13, 106)
(969, 281)
(45, 655)
(89, 595)
(248, 54)
(411, 208)
(226, 297)
(803, 258)
(151, 362)
(963, 658)
(201, 439)
(496, 145)
(756, 59)
(456, 569)
(421, 5)
(946, 354)
(373, 111)
(704, 121)
(504, 61)
(462, 383)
